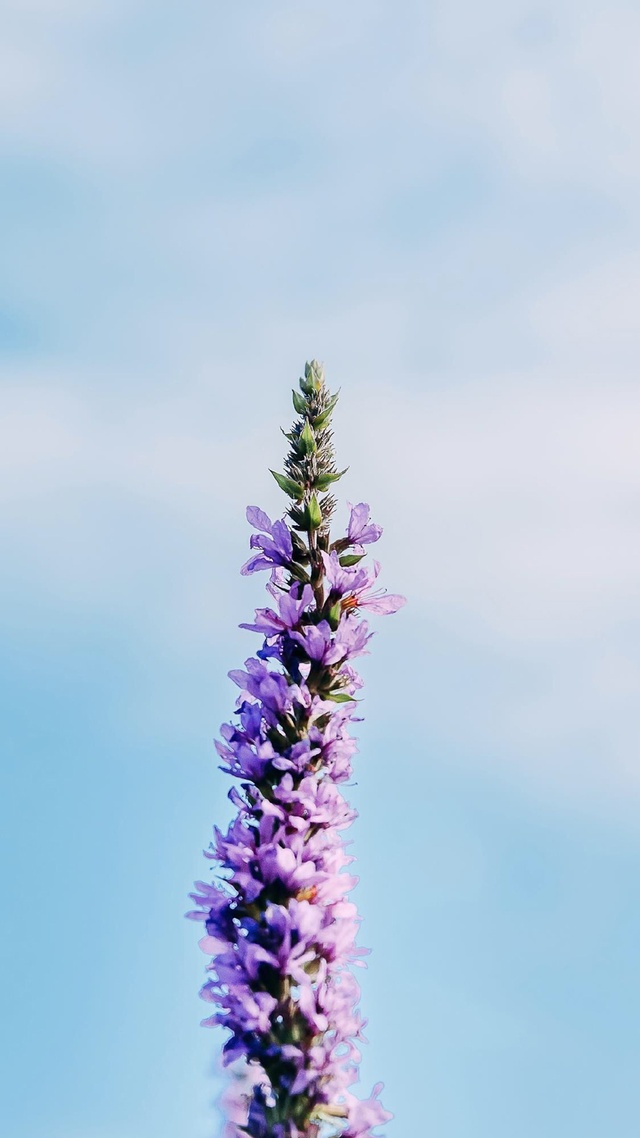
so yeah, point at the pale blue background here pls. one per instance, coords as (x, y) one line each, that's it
(441, 202)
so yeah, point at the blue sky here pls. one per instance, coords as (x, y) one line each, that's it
(440, 202)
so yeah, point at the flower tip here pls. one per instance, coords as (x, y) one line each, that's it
(258, 519)
(210, 945)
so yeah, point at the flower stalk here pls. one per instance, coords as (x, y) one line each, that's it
(280, 928)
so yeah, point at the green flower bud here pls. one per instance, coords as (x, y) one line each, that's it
(307, 439)
(314, 375)
(299, 403)
(333, 615)
(314, 513)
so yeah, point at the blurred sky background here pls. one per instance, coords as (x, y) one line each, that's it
(440, 201)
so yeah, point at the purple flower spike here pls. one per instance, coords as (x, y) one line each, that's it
(279, 926)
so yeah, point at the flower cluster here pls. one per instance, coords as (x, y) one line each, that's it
(280, 927)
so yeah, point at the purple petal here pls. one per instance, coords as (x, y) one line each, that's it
(282, 539)
(254, 564)
(239, 677)
(388, 603)
(258, 519)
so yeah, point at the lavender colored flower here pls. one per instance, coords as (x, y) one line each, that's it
(361, 530)
(354, 586)
(274, 542)
(280, 928)
(291, 605)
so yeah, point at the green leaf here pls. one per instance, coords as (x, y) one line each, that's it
(323, 481)
(314, 513)
(340, 697)
(299, 403)
(293, 489)
(348, 559)
(307, 439)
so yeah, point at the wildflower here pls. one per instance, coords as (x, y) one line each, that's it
(361, 530)
(280, 927)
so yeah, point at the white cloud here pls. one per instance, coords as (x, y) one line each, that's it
(520, 497)
(556, 87)
(589, 321)
(40, 38)
(23, 78)
(518, 486)
(552, 90)
(511, 522)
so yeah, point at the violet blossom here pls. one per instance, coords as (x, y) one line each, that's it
(279, 924)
